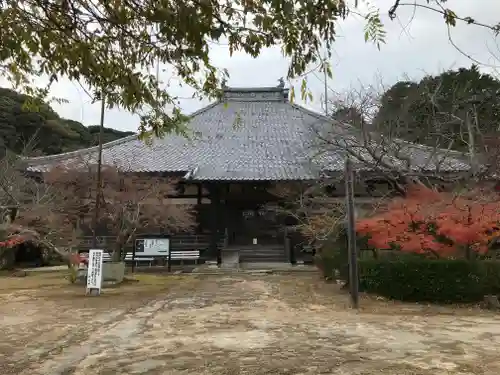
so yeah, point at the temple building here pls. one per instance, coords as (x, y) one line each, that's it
(238, 148)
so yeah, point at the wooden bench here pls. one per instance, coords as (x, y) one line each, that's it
(106, 257)
(183, 255)
(139, 258)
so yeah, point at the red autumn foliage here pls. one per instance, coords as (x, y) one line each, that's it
(11, 242)
(427, 221)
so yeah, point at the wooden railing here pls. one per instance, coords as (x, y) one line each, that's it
(177, 242)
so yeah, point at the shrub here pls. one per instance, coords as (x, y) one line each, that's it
(410, 277)
(421, 279)
(492, 274)
(332, 258)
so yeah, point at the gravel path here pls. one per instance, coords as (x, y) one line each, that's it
(267, 324)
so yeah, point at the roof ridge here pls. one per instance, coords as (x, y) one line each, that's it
(319, 116)
(205, 108)
(81, 151)
(256, 89)
(85, 151)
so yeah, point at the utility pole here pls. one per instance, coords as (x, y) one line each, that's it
(98, 194)
(325, 83)
(351, 234)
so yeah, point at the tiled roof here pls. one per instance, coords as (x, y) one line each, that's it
(257, 134)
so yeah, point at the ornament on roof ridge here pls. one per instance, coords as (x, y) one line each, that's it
(281, 83)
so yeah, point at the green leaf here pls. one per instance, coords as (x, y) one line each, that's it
(303, 89)
(53, 38)
(450, 17)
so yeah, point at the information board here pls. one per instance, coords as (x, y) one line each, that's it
(152, 246)
(94, 271)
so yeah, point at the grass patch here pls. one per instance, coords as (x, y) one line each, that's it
(51, 282)
(34, 280)
(54, 288)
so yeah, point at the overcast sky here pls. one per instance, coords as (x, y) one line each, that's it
(414, 49)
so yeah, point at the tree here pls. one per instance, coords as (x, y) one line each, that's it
(349, 115)
(24, 201)
(110, 46)
(53, 211)
(386, 162)
(128, 204)
(313, 214)
(316, 210)
(435, 223)
(399, 143)
(455, 109)
(42, 131)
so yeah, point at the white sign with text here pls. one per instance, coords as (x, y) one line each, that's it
(155, 246)
(94, 270)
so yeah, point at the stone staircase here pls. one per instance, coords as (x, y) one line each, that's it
(261, 253)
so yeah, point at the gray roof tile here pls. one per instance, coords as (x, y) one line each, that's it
(257, 135)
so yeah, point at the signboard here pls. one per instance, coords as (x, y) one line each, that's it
(152, 246)
(94, 271)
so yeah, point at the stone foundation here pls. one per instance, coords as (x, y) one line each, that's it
(112, 273)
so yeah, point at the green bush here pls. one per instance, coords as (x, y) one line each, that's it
(332, 263)
(441, 280)
(332, 258)
(410, 277)
(492, 276)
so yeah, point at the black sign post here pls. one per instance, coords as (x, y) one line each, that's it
(133, 255)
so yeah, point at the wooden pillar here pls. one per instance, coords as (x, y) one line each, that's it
(199, 208)
(214, 250)
(290, 256)
(199, 193)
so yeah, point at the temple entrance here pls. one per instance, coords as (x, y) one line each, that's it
(253, 229)
(257, 236)
(250, 223)
(254, 226)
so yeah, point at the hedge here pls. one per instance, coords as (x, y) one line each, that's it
(421, 279)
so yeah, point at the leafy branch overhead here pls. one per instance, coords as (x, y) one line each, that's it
(110, 46)
(439, 6)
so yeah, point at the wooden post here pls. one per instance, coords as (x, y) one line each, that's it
(287, 245)
(169, 266)
(214, 250)
(133, 254)
(351, 235)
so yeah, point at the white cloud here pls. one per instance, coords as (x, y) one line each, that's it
(415, 46)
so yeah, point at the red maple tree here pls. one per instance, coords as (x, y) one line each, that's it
(431, 222)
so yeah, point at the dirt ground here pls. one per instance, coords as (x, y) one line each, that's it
(248, 324)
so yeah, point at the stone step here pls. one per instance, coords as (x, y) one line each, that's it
(274, 253)
(245, 256)
(269, 258)
(263, 260)
(261, 250)
(260, 254)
